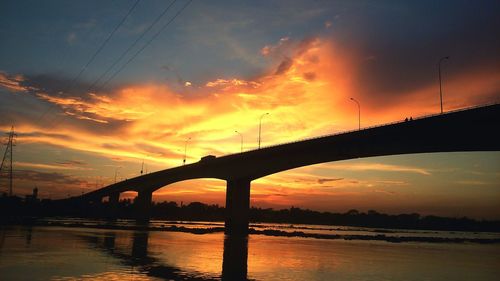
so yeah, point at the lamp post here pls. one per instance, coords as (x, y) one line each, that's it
(359, 113)
(260, 125)
(185, 150)
(116, 171)
(440, 88)
(241, 136)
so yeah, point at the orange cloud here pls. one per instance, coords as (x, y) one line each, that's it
(57, 166)
(307, 95)
(226, 84)
(278, 48)
(377, 167)
(12, 83)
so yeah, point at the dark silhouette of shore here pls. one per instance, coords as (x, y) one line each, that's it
(14, 210)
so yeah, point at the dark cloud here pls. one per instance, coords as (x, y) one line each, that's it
(21, 135)
(284, 66)
(178, 78)
(288, 48)
(110, 146)
(405, 41)
(323, 180)
(149, 149)
(305, 44)
(38, 105)
(59, 86)
(310, 76)
(47, 177)
(71, 163)
(282, 48)
(268, 196)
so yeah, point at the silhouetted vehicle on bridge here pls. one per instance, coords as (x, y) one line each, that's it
(207, 158)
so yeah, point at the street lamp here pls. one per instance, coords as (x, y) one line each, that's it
(260, 125)
(241, 136)
(116, 171)
(440, 89)
(359, 113)
(185, 150)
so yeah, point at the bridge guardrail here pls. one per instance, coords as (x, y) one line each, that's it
(370, 127)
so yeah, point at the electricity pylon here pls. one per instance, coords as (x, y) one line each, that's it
(6, 166)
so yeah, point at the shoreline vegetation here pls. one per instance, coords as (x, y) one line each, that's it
(15, 211)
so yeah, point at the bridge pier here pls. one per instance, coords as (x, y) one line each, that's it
(143, 205)
(114, 200)
(237, 207)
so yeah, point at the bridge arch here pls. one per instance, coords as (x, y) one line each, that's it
(213, 188)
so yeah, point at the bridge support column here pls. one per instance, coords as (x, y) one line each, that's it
(143, 205)
(237, 206)
(114, 200)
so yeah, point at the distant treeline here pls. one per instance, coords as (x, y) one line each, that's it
(13, 209)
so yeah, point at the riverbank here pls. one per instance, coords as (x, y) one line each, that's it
(276, 230)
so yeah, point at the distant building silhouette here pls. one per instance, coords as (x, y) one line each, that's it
(33, 197)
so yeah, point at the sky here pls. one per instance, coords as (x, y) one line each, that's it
(98, 90)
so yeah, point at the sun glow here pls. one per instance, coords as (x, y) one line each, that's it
(307, 93)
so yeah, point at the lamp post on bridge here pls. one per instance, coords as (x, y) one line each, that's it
(185, 150)
(359, 113)
(260, 125)
(116, 171)
(440, 88)
(241, 136)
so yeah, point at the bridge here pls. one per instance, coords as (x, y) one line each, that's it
(473, 129)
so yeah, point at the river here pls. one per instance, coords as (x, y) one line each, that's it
(87, 251)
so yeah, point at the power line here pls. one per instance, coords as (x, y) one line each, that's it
(131, 46)
(147, 44)
(104, 43)
(72, 83)
(140, 50)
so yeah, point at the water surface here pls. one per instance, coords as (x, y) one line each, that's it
(89, 253)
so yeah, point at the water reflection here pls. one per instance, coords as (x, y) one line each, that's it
(141, 259)
(234, 262)
(60, 253)
(140, 245)
(29, 233)
(2, 238)
(235, 258)
(109, 240)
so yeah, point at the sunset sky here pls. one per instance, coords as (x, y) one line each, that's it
(218, 66)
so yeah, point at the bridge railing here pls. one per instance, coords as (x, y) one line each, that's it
(370, 127)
